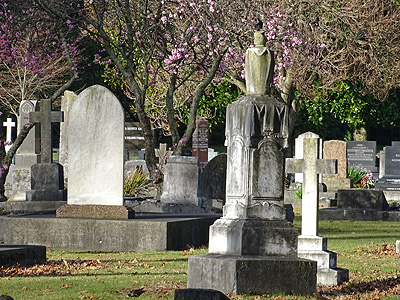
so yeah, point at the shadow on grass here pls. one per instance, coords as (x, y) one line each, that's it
(380, 285)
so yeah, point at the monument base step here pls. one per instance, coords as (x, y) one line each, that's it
(252, 274)
(332, 276)
(23, 255)
(46, 195)
(27, 207)
(358, 214)
(147, 232)
(117, 212)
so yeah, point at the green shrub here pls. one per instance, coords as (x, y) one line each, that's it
(298, 191)
(136, 183)
(356, 174)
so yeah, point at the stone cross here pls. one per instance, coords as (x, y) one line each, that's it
(310, 166)
(45, 117)
(9, 124)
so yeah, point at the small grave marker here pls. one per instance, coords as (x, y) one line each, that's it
(200, 140)
(9, 125)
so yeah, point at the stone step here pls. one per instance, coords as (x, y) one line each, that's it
(324, 259)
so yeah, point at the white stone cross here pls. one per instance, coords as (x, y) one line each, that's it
(310, 166)
(9, 124)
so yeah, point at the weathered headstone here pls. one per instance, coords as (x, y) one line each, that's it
(200, 141)
(310, 245)
(252, 247)
(95, 146)
(66, 103)
(182, 181)
(362, 154)
(25, 157)
(298, 149)
(9, 125)
(213, 182)
(47, 179)
(335, 149)
(134, 139)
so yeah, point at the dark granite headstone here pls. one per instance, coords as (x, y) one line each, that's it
(199, 294)
(213, 180)
(362, 154)
(390, 169)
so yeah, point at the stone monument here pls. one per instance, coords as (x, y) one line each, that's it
(200, 141)
(252, 248)
(310, 245)
(25, 157)
(47, 179)
(66, 103)
(95, 159)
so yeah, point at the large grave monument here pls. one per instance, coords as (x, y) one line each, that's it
(310, 245)
(252, 248)
(47, 179)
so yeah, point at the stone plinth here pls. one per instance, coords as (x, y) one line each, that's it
(95, 211)
(182, 181)
(315, 248)
(252, 274)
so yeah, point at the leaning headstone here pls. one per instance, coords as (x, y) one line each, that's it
(9, 125)
(66, 103)
(25, 157)
(47, 178)
(96, 145)
(252, 248)
(362, 154)
(200, 141)
(335, 149)
(310, 245)
(181, 181)
(298, 149)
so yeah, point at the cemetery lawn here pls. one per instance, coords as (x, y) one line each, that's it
(367, 249)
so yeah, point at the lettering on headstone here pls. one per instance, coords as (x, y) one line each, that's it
(362, 154)
(200, 140)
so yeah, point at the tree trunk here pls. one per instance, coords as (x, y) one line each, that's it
(360, 133)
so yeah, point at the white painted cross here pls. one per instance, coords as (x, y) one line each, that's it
(310, 166)
(9, 124)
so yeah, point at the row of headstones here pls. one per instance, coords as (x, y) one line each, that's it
(358, 154)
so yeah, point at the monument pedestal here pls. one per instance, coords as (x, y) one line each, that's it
(47, 183)
(115, 212)
(315, 248)
(252, 274)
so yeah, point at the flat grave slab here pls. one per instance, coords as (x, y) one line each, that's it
(21, 254)
(147, 232)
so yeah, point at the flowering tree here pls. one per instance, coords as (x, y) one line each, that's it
(36, 61)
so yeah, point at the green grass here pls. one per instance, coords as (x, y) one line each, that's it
(365, 248)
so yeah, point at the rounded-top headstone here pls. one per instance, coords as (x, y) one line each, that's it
(96, 143)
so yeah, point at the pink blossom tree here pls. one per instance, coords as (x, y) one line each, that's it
(36, 61)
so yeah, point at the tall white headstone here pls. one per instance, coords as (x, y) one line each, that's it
(96, 144)
(298, 150)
